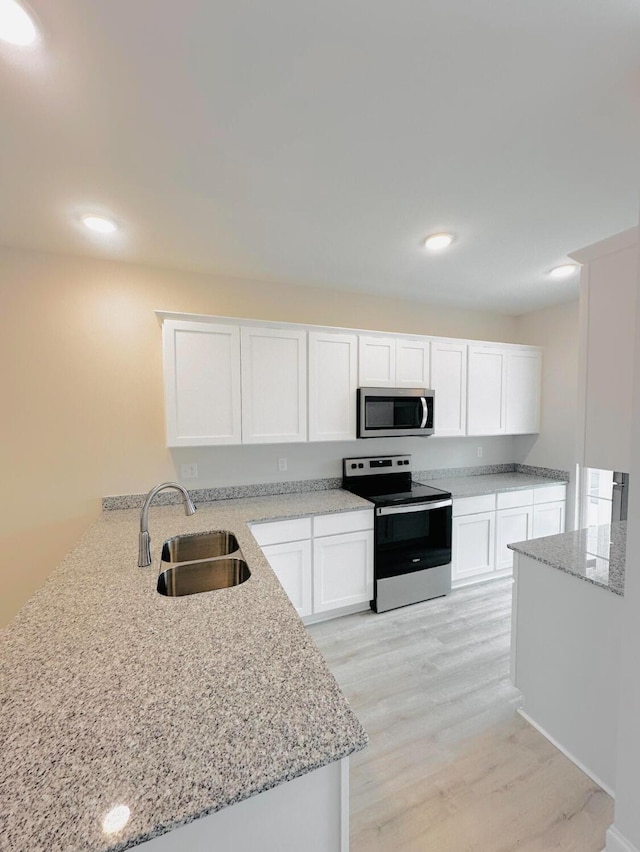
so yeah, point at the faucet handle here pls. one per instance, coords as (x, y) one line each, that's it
(144, 550)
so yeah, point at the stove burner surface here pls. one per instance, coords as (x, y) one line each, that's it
(379, 495)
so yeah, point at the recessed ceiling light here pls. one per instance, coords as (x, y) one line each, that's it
(16, 26)
(564, 271)
(99, 224)
(437, 242)
(115, 819)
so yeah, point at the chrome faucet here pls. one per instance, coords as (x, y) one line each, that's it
(144, 542)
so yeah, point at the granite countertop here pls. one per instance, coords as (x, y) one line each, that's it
(595, 554)
(472, 486)
(176, 707)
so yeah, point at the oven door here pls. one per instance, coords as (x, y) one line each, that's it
(388, 412)
(412, 537)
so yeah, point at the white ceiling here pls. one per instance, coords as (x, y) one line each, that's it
(319, 142)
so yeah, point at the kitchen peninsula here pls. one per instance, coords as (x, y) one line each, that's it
(174, 707)
(565, 649)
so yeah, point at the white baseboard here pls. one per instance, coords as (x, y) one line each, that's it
(617, 843)
(577, 762)
(336, 613)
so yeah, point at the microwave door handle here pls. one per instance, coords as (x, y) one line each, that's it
(425, 412)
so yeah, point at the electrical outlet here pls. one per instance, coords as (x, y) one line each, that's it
(189, 471)
(479, 452)
(282, 464)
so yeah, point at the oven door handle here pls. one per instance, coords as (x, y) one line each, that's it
(413, 507)
(425, 412)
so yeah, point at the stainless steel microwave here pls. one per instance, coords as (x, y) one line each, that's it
(392, 412)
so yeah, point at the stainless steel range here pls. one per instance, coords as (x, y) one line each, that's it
(412, 530)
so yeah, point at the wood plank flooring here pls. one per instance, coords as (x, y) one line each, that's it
(451, 767)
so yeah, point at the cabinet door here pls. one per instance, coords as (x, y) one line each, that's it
(274, 385)
(449, 380)
(413, 363)
(291, 564)
(377, 362)
(486, 390)
(333, 382)
(201, 366)
(548, 519)
(511, 525)
(524, 376)
(342, 570)
(473, 545)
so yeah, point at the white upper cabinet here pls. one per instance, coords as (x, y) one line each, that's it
(202, 383)
(393, 362)
(413, 367)
(238, 382)
(449, 380)
(274, 385)
(524, 375)
(333, 382)
(486, 390)
(377, 362)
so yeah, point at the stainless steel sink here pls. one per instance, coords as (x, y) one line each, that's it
(190, 578)
(206, 545)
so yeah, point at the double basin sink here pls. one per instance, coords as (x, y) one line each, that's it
(201, 562)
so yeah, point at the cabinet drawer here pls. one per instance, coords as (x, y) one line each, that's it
(343, 522)
(275, 532)
(550, 494)
(514, 499)
(473, 505)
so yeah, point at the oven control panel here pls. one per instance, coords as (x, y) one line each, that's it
(375, 465)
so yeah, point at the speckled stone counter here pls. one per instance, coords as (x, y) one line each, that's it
(471, 486)
(176, 707)
(596, 554)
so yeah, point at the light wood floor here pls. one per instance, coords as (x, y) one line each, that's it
(451, 767)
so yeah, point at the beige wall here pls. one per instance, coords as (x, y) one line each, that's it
(557, 330)
(82, 389)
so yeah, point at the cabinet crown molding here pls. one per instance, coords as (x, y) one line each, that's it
(399, 335)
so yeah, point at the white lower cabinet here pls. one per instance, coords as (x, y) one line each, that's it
(548, 519)
(324, 563)
(483, 526)
(291, 563)
(342, 570)
(473, 544)
(511, 525)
